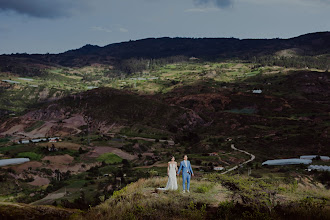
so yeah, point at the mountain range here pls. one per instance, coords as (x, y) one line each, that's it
(153, 48)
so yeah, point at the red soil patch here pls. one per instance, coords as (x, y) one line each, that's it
(68, 145)
(61, 159)
(39, 181)
(25, 166)
(75, 121)
(77, 168)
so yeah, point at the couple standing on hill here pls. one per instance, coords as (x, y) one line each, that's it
(172, 172)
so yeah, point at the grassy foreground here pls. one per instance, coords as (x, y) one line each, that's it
(214, 196)
(217, 197)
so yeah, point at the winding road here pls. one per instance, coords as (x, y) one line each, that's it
(248, 161)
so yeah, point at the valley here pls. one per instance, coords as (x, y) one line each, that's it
(116, 123)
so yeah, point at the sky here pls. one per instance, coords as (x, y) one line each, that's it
(55, 26)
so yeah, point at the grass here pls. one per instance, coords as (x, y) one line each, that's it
(10, 148)
(144, 132)
(110, 158)
(4, 140)
(214, 197)
(140, 200)
(23, 211)
(34, 126)
(204, 188)
(30, 155)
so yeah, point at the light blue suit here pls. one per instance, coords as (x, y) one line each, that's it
(186, 174)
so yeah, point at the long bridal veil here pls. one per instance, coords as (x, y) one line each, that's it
(172, 182)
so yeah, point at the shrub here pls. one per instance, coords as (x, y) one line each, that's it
(204, 188)
(4, 140)
(225, 210)
(193, 212)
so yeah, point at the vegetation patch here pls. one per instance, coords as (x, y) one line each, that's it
(9, 148)
(4, 140)
(204, 188)
(243, 111)
(110, 158)
(30, 155)
(35, 125)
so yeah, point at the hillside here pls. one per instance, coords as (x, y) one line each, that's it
(290, 106)
(105, 109)
(11, 211)
(99, 125)
(310, 44)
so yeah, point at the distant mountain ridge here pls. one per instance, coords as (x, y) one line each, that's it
(153, 48)
(314, 43)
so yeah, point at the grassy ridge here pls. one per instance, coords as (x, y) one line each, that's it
(217, 197)
(23, 211)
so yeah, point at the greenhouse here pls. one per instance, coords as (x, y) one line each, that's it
(286, 162)
(319, 167)
(311, 157)
(6, 162)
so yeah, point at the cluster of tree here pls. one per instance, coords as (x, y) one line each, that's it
(319, 62)
(3, 177)
(323, 177)
(20, 66)
(78, 203)
(138, 65)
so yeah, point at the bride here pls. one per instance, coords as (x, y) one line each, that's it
(172, 168)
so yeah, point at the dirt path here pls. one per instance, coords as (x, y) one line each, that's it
(248, 161)
(11, 204)
(49, 199)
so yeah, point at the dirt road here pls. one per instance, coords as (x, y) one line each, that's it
(248, 161)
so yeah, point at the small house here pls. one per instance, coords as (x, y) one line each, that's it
(36, 140)
(54, 139)
(312, 157)
(213, 154)
(319, 168)
(193, 58)
(218, 168)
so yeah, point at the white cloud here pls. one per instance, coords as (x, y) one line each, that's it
(201, 10)
(217, 3)
(98, 28)
(124, 30)
(303, 3)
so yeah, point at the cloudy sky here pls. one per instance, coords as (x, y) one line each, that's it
(54, 26)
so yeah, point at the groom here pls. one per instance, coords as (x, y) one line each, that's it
(186, 172)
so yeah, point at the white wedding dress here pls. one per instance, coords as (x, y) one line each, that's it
(171, 183)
